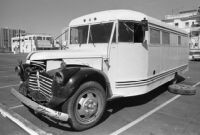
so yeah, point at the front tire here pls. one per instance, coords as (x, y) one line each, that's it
(86, 106)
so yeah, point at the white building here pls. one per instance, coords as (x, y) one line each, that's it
(32, 42)
(5, 37)
(185, 19)
(190, 21)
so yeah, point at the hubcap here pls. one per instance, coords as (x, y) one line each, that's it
(87, 106)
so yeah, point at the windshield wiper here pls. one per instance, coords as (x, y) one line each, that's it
(132, 30)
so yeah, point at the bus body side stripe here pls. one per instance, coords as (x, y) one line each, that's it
(149, 80)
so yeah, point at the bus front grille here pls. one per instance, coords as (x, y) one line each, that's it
(39, 83)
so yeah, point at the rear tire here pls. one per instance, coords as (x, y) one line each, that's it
(86, 106)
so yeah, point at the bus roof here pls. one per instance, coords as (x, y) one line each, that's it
(120, 14)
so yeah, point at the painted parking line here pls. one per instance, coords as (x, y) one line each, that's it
(124, 128)
(7, 86)
(7, 67)
(8, 76)
(3, 71)
(21, 122)
(196, 84)
(15, 107)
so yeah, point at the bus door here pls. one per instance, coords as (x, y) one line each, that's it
(132, 54)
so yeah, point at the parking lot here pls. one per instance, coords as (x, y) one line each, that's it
(156, 113)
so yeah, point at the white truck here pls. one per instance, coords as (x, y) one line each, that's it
(194, 48)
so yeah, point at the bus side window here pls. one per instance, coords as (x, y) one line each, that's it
(166, 38)
(154, 36)
(179, 40)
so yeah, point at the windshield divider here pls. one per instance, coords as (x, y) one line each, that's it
(110, 41)
(88, 37)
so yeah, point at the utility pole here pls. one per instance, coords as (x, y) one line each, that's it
(19, 42)
(31, 43)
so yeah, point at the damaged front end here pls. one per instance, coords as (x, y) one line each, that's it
(35, 82)
(44, 91)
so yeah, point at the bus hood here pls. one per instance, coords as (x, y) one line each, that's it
(64, 54)
(54, 57)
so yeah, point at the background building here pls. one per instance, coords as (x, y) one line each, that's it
(190, 21)
(186, 20)
(5, 38)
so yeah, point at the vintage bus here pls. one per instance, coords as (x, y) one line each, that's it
(115, 53)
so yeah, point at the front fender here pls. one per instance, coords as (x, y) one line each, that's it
(83, 75)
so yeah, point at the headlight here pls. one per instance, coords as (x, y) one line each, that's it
(59, 77)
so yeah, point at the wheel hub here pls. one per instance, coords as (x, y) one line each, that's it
(90, 106)
(87, 106)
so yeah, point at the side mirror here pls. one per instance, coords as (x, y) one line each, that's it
(144, 24)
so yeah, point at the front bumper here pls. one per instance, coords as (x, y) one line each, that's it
(39, 108)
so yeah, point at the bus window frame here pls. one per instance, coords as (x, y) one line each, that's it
(168, 43)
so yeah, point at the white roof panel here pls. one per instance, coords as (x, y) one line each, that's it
(109, 15)
(120, 14)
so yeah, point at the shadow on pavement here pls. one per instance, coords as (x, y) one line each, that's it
(118, 104)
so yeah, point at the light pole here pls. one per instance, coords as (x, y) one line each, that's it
(19, 41)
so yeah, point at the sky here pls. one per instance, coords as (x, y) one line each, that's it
(51, 16)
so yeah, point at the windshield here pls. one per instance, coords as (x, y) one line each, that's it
(130, 31)
(78, 35)
(99, 33)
